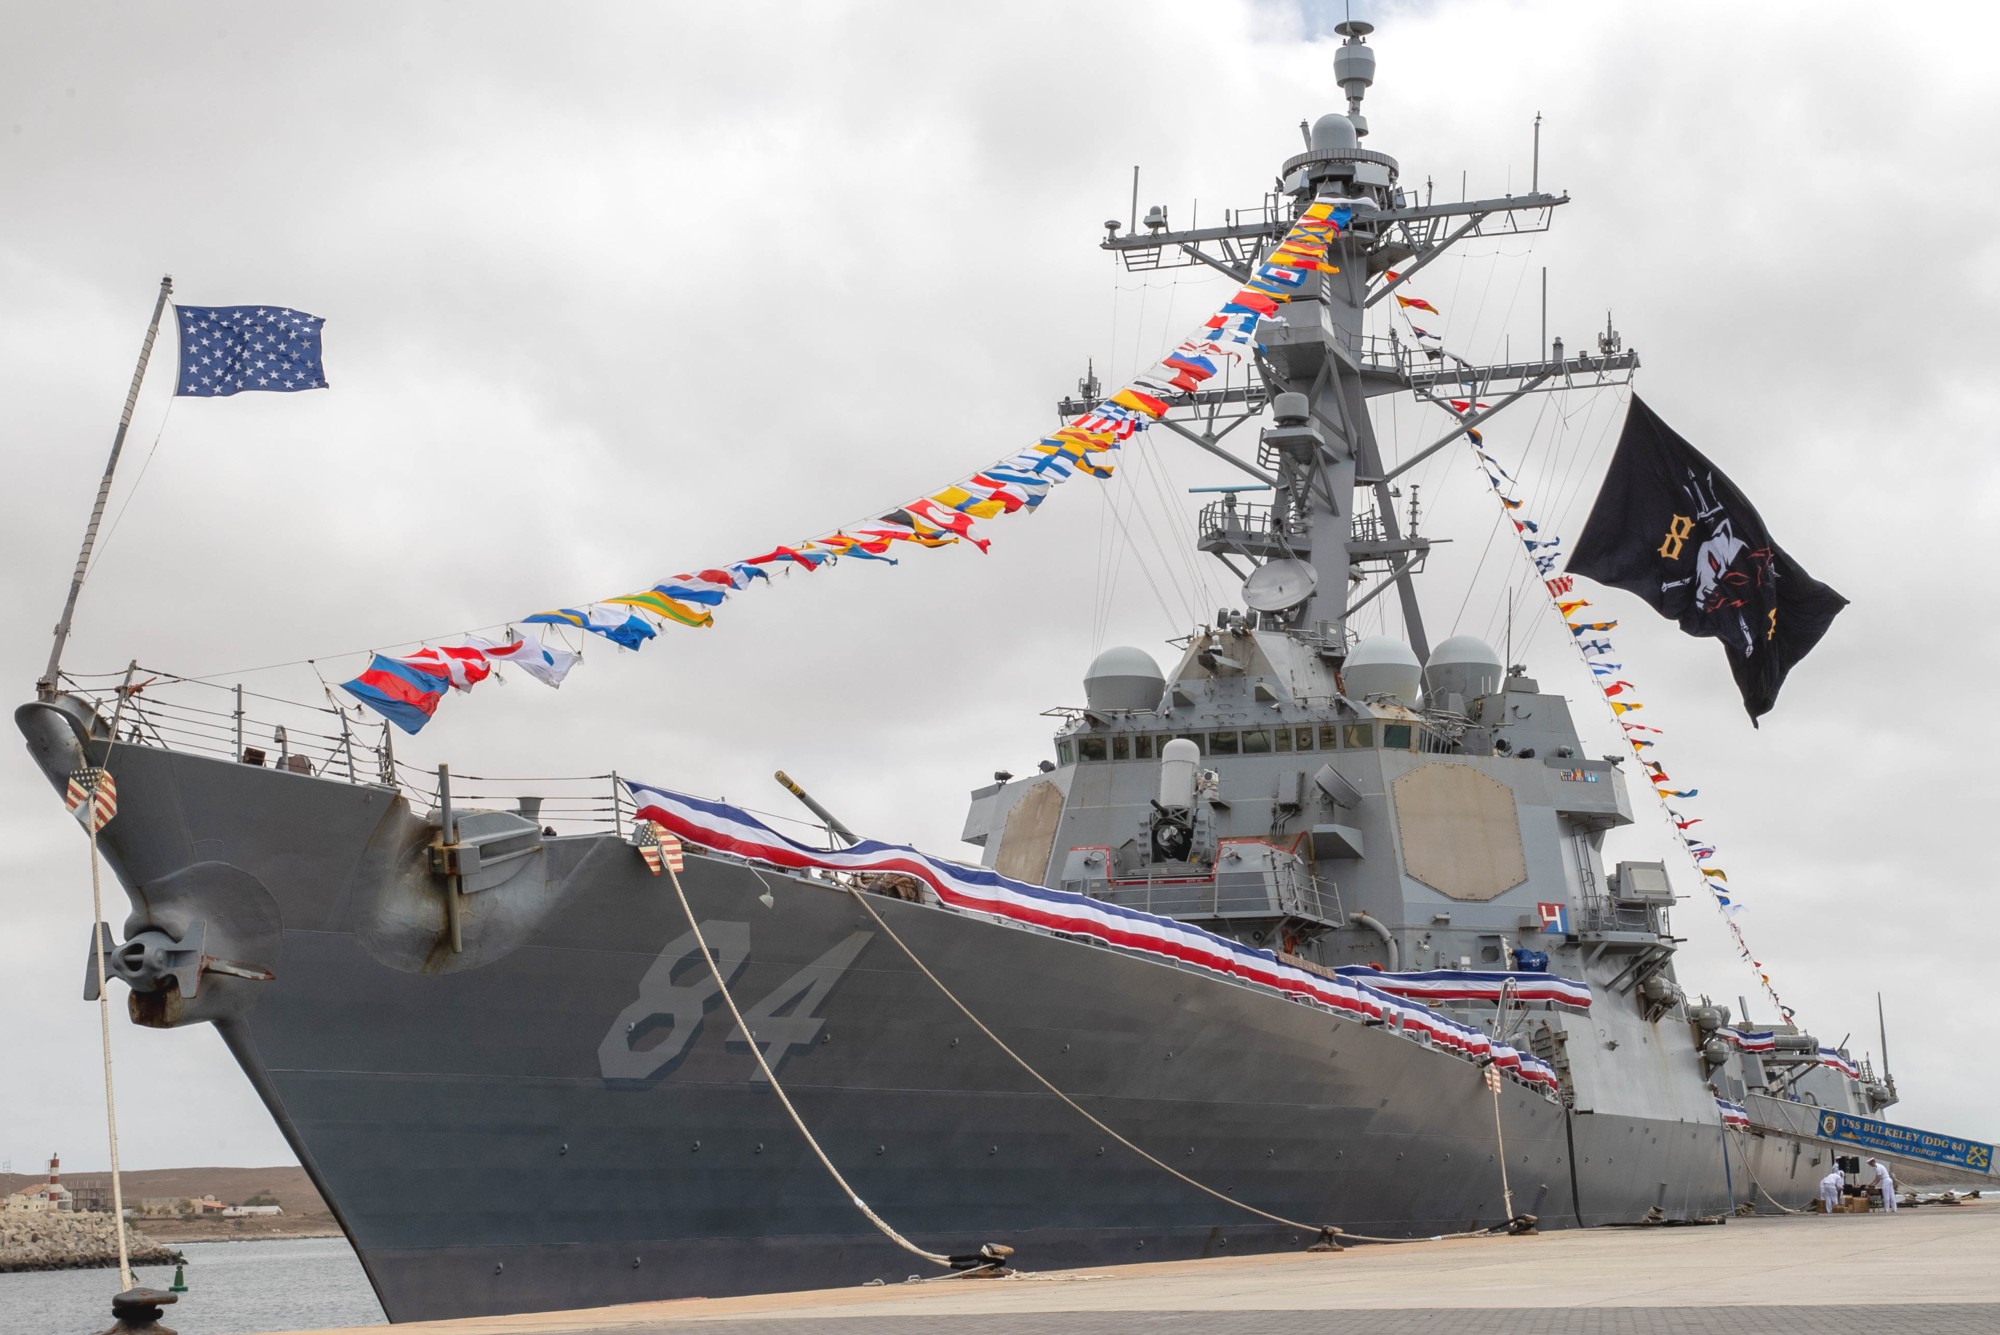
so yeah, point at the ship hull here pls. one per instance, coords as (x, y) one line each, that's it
(570, 1121)
(1784, 1159)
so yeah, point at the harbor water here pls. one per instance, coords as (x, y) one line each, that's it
(233, 1287)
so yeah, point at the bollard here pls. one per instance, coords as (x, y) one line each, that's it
(138, 1310)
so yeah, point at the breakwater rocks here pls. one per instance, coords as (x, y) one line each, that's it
(34, 1240)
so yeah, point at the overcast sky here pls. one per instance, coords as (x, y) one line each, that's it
(614, 291)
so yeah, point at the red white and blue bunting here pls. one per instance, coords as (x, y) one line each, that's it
(1744, 1040)
(1446, 985)
(730, 830)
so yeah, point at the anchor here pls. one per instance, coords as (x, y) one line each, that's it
(153, 961)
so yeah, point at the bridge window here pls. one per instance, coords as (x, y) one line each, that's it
(1222, 744)
(1396, 737)
(1257, 742)
(1358, 736)
(1142, 747)
(1121, 748)
(1064, 755)
(1329, 736)
(1283, 738)
(1305, 738)
(1090, 748)
(1194, 737)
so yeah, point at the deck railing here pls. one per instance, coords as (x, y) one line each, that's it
(329, 741)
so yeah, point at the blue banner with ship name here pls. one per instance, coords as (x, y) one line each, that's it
(1888, 1138)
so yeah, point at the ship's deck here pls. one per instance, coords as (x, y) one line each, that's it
(1924, 1271)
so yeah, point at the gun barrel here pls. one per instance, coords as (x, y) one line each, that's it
(833, 822)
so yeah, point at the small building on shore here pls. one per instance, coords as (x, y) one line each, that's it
(50, 1197)
(92, 1199)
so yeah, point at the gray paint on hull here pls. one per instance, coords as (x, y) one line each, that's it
(460, 1125)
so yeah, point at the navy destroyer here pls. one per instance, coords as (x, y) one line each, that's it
(500, 1045)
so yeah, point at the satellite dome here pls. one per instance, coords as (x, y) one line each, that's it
(1124, 678)
(1465, 666)
(1333, 132)
(1380, 665)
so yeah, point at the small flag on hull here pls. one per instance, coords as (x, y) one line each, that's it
(660, 849)
(92, 797)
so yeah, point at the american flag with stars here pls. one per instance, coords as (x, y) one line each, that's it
(229, 349)
(91, 797)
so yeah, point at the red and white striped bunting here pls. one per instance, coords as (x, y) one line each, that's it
(979, 890)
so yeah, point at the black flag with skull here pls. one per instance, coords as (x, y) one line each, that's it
(1668, 526)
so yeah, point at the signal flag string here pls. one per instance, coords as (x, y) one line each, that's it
(1590, 639)
(1592, 643)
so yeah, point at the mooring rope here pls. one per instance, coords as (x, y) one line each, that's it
(1321, 1230)
(886, 1229)
(125, 1276)
(1752, 1173)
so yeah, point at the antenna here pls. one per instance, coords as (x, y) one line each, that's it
(1883, 1027)
(1132, 228)
(1090, 386)
(1535, 181)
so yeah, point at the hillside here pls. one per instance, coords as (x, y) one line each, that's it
(306, 1215)
(289, 1185)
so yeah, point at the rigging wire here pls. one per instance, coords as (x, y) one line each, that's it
(1581, 463)
(1144, 569)
(1165, 552)
(1183, 530)
(1471, 584)
(1623, 396)
(1097, 601)
(126, 504)
(1154, 460)
(1324, 1231)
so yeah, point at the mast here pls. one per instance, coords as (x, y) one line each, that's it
(1882, 1027)
(46, 687)
(1332, 492)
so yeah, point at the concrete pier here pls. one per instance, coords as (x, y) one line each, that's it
(1934, 1270)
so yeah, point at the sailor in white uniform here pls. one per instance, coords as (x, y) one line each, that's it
(1829, 1191)
(1886, 1184)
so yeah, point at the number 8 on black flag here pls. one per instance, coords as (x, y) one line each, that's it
(1670, 527)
